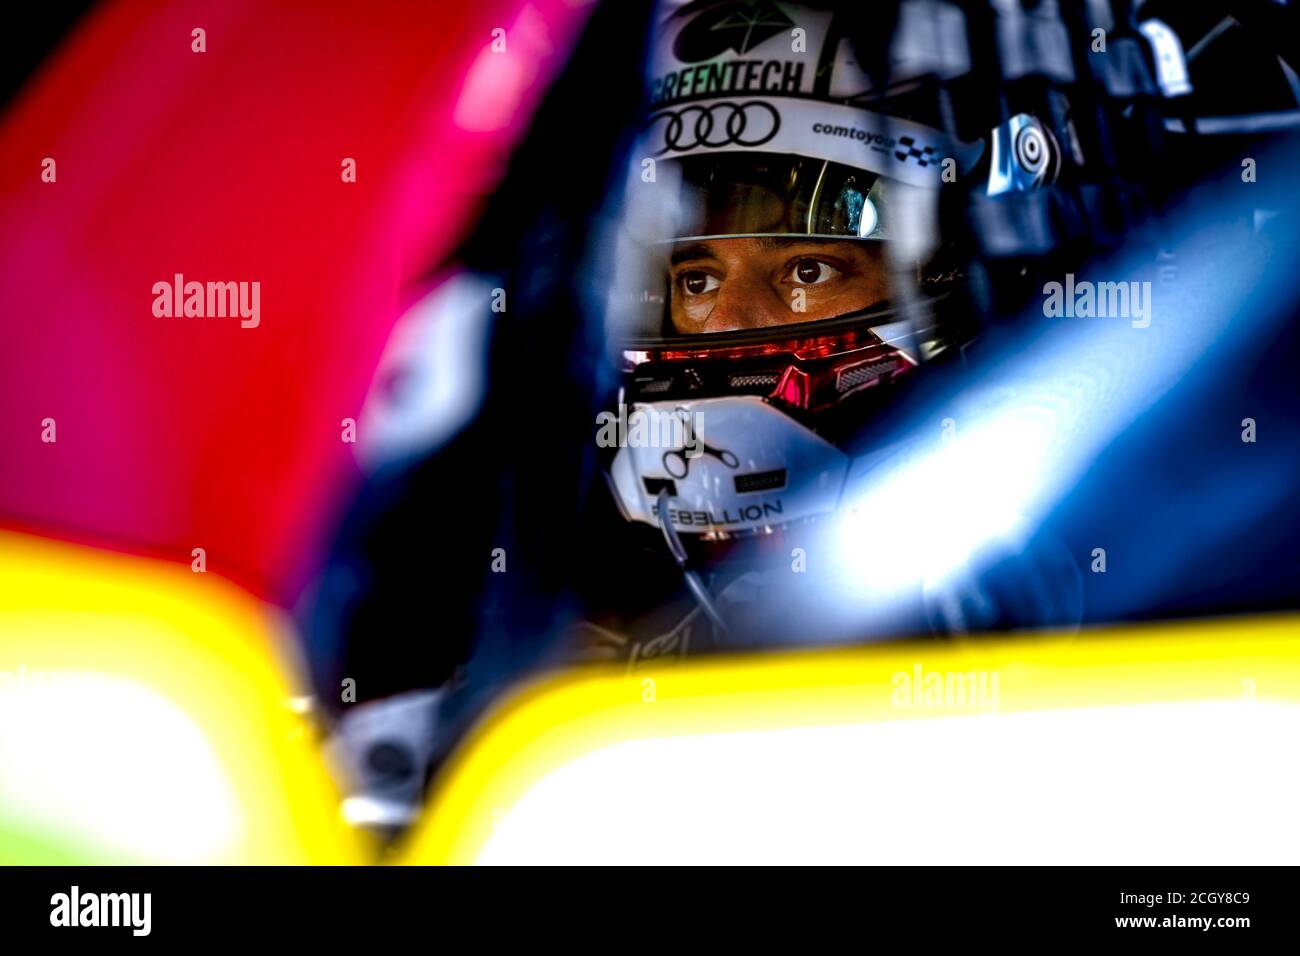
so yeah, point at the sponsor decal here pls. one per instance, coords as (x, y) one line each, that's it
(677, 462)
(716, 125)
(899, 148)
(737, 25)
(904, 148)
(730, 77)
(910, 149)
(744, 514)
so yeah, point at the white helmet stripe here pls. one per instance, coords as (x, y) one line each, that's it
(897, 148)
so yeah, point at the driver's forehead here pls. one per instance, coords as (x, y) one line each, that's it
(743, 248)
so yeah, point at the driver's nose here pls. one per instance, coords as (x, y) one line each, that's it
(746, 300)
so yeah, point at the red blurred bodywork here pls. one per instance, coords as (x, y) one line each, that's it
(177, 433)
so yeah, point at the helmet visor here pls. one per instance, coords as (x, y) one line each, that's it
(750, 242)
(737, 194)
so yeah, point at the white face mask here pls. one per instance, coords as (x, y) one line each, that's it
(730, 465)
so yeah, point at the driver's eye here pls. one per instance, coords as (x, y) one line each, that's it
(698, 283)
(813, 271)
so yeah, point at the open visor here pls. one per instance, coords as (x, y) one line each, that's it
(749, 242)
(755, 193)
(752, 194)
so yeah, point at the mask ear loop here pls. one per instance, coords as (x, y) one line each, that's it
(693, 580)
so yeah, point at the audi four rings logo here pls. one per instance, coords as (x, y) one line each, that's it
(718, 124)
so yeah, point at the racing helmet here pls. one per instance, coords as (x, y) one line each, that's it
(780, 268)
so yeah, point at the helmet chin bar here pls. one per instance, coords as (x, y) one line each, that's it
(803, 368)
(761, 415)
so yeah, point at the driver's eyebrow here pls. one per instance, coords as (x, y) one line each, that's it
(695, 250)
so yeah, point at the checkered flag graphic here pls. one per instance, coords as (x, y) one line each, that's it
(923, 156)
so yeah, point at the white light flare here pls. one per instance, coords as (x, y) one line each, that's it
(111, 764)
(1122, 785)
